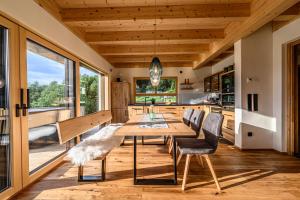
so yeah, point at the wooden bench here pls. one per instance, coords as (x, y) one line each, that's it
(72, 128)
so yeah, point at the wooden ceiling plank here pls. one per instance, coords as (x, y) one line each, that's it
(150, 49)
(162, 24)
(130, 3)
(161, 12)
(263, 14)
(158, 42)
(147, 64)
(148, 58)
(159, 35)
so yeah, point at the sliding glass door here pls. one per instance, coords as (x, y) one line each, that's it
(48, 96)
(5, 136)
(10, 144)
(50, 83)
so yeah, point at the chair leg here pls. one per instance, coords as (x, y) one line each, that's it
(186, 170)
(200, 160)
(179, 158)
(171, 146)
(212, 172)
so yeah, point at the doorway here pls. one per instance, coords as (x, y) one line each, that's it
(293, 99)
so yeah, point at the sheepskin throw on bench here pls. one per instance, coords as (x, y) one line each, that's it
(96, 145)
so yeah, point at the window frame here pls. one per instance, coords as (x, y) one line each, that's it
(135, 94)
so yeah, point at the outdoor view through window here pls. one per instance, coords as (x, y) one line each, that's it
(164, 93)
(91, 89)
(50, 80)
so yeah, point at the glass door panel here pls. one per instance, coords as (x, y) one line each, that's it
(51, 92)
(5, 136)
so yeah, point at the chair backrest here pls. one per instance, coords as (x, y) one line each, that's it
(212, 128)
(74, 127)
(187, 114)
(196, 121)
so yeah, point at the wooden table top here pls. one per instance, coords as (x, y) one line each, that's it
(175, 128)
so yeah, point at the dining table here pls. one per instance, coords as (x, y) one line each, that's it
(154, 124)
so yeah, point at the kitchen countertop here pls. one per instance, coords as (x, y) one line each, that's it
(178, 104)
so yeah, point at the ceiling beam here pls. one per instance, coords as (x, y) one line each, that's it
(147, 64)
(158, 42)
(152, 35)
(148, 58)
(122, 3)
(161, 24)
(161, 12)
(150, 49)
(264, 13)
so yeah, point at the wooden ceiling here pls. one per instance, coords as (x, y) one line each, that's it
(189, 33)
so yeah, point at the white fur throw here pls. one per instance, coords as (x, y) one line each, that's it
(96, 145)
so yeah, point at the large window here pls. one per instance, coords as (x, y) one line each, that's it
(166, 92)
(92, 90)
(51, 81)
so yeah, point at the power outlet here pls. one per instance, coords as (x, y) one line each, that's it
(250, 134)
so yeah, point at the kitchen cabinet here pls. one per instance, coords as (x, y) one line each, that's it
(120, 92)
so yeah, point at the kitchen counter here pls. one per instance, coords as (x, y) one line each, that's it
(200, 104)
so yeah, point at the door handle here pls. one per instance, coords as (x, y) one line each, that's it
(24, 106)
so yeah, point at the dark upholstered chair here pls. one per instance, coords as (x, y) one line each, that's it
(187, 116)
(212, 128)
(195, 123)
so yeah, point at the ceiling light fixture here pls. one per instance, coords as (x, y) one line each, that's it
(155, 66)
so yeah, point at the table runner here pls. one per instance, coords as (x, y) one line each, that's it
(153, 120)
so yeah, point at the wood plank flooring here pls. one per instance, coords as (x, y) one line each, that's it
(242, 175)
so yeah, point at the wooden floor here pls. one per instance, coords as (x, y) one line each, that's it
(242, 174)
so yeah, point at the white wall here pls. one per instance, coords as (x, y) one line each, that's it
(253, 59)
(281, 37)
(223, 63)
(36, 18)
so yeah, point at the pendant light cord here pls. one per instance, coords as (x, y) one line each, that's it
(155, 24)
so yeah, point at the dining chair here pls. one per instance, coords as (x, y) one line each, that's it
(187, 114)
(212, 128)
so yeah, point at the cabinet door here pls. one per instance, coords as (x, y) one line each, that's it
(207, 84)
(215, 83)
(120, 95)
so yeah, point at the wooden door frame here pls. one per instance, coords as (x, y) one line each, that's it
(291, 104)
(15, 132)
(24, 36)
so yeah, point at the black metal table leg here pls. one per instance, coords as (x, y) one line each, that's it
(134, 159)
(174, 160)
(137, 181)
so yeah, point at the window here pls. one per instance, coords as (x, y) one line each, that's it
(165, 92)
(92, 94)
(5, 132)
(92, 90)
(51, 84)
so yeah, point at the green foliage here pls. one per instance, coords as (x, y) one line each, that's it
(158, 99)
(51, 95)
(165, 86)
(89, 98)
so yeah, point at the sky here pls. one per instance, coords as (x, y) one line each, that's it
(45, 70)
